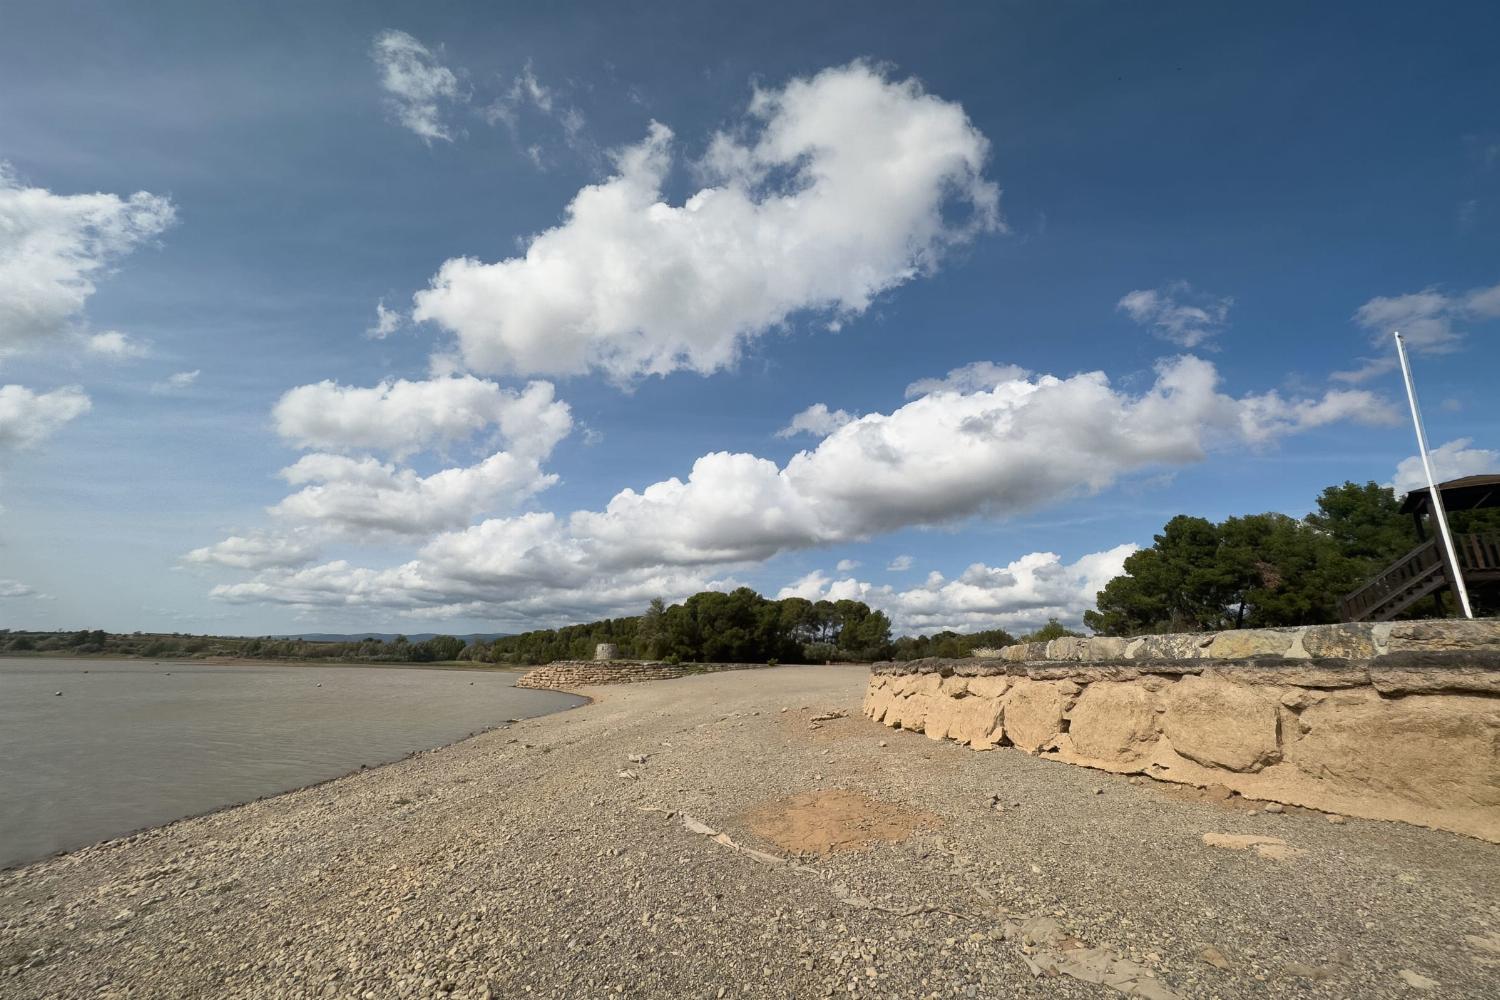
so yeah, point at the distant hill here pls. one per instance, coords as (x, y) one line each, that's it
(389, 636)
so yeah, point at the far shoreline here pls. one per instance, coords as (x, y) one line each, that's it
(254, 661)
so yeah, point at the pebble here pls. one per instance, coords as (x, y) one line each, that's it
(1417, 981)
(1305, 971)
(1335, 818)
(1275, 807)
(1214, 957)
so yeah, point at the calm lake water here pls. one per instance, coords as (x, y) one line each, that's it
(132, 744)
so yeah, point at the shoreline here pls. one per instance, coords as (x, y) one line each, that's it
(252, 661)
(137, 832)
(566, 856)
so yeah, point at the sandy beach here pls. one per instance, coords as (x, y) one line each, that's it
(709, 837)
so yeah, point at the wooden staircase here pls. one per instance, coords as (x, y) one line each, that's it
(1422, 571)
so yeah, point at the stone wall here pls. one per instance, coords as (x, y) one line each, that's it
(564, 675)
(1396, 721)
(1358, 640)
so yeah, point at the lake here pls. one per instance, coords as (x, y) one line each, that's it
(131, 743)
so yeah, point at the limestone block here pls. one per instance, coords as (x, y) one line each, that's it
(1482, 633)
(1298, 699)
(894, 709)
(1310, 676)
(1440, 751)
(1105, 647)
(942, 713)
(927, 684)
(1177, 646)
(988, 687)
(1113, 722)
(1353, 641)
(955, 687)
(1217, 723)
(1033, 714)
(1435, 679)
(1239, 644)
(1015, 653)
(1066, 648)
(978, 721)
(914, 713)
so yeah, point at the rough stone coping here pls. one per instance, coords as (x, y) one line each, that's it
(1356, 670)
(1307, 642)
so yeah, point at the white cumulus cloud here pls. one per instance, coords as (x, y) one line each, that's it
(972, 377)
(53, 250)
(360, 497)
(936, 460)
(1018, 596)
(1178, 312)
(116, 346)
(387, 322)
(817, 420)
(177, 382)
(420, 87)
(28, 418)
(1452, 460)
(837, 188)
(15, 588)
(257, 550)
(400, 417)
(347, 493)
(1428, 320)
(900, 564)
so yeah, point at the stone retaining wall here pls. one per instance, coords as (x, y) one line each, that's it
(1398, 721)
(1358, 640)
(563, 675)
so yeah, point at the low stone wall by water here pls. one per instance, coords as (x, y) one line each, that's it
(564, 675)
(1396, 721)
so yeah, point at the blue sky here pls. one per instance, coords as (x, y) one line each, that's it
(1061, 188)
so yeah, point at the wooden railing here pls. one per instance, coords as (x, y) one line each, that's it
(1418, 573)
(1478, 553)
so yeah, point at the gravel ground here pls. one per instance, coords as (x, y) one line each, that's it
(540, 860)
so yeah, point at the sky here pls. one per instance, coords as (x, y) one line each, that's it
(483, 317)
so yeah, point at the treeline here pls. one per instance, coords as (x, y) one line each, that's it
(1267, 570)
(712, 627)
(160, 646)
(744, 627)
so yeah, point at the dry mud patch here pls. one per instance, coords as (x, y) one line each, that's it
(824, 822)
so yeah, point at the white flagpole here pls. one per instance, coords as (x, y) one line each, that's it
(1438, 513)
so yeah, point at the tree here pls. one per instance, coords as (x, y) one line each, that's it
(1054, 629)
(1285, 571)
(1254, 571)
(649, 632)
(1364, 522)
(1171, 587)
(443, 647)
